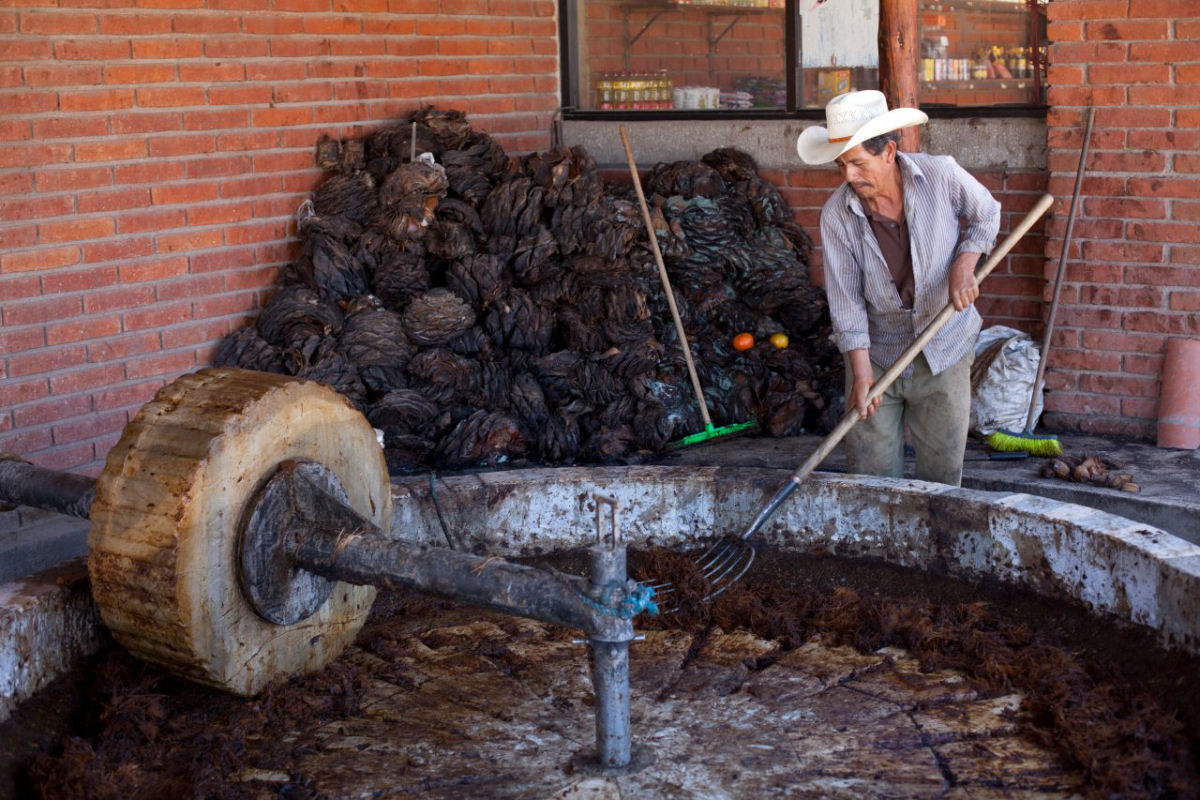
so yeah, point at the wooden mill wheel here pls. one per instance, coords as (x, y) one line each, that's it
(168, 508)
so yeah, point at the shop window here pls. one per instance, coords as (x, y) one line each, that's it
(982, 52)
(717, 55)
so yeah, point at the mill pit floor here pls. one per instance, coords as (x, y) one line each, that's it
(822, 678)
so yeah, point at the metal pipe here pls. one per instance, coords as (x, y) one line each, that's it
(23, 484)
(610, 662)
(364, 556)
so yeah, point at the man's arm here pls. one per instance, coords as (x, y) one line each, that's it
(978, 209)
(843, 287)
(964, 289)
(847, 310)
(864, 379)
(981, 212)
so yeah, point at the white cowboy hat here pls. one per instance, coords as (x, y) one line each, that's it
(853, 118)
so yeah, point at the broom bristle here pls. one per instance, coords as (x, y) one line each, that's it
(1036, 445)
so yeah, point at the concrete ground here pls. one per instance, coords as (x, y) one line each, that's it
(1169, 480)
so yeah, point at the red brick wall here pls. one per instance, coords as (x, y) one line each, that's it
(1133, 268)
(153, 151)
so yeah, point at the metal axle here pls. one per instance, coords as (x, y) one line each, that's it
(23, 484)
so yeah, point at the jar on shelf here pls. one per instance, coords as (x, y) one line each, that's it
(604, 92)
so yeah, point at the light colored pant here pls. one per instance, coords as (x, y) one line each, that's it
(937, 410)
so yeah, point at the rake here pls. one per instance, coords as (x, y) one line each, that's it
(728, 560)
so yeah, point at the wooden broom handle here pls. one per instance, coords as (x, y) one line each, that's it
(1058, 278)
(666, 282)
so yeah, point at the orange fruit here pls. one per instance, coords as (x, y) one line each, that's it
(780, 340)
(743, 341)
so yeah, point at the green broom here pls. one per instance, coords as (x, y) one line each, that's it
(1046, 445)
(709, 432)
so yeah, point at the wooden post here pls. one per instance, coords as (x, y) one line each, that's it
(899, 50)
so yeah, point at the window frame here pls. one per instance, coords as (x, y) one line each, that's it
(568, 18)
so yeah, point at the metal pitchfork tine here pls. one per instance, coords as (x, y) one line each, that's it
(721, 565)
(733, 551)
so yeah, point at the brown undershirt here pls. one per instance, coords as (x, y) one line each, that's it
(892, 237)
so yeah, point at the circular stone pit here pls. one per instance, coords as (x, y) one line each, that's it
(437, 700)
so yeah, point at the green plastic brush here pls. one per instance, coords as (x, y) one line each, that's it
(709, 432)
(1046, 445)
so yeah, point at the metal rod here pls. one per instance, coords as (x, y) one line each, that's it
(895, 370)
(364, 556)
(1058, 278)
(23, 484)
(610, 659)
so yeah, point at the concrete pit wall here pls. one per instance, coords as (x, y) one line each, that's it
(1058, 550)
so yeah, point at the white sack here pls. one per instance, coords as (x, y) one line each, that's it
(1000, 395)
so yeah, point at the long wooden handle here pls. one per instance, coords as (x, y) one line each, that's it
(1058, 278)
(893, 372)
(666, 282)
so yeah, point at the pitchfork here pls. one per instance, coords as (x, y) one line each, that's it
(726, 561)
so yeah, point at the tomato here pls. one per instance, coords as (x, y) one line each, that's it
(780, 340)
(743, 341)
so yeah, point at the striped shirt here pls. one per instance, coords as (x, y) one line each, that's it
(939, 196)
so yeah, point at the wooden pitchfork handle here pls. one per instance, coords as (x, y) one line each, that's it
(666, 281)
(893, 372)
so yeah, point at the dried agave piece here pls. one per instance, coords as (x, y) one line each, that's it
(443, 376)
(328, 366)
(534, 257)
(503, 208)
(620, 410)
(578, 332)
(329, 152)
(327, 266)
(402, 411)
(527, 401)
(402, 277)
(495, 386)
(559, 376)
(406, 453)
(373, 338)
(247, 349)
(473, 170)
(409, 196)
(685, 178)
(392, 145)
(784, 413)
(296, 313)
(436, 317)
(449, 240)
(478, 279)
(652, 426)
(457, 211)
(558, 439)
(609, 443)
(351, 195)
(449, 126)
(516, 321)
(485, 438)
(472, 342)
(732, 164)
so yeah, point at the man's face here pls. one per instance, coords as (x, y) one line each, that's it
(867, 174)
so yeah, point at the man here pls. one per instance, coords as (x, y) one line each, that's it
(901, 238)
